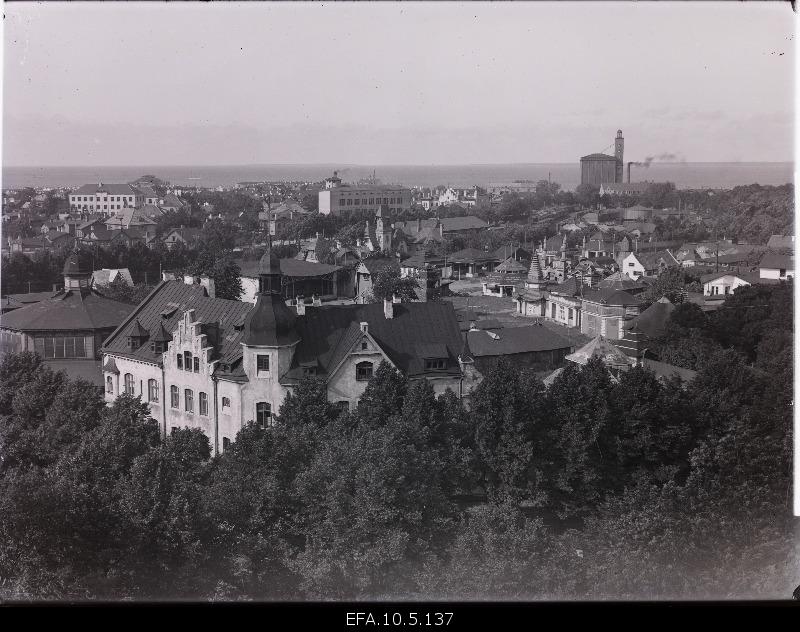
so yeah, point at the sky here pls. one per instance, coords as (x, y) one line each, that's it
(102, 84)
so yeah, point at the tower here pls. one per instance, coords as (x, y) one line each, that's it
(77, 272)
(619, 154)
(383, 234)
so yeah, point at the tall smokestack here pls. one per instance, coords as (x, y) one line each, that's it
(629, 172)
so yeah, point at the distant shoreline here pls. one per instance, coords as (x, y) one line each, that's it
(683, 174)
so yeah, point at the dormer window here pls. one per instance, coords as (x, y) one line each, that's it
(309, 370)
(435, 364)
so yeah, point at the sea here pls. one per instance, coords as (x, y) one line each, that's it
(685, 175)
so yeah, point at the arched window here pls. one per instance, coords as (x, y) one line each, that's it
(187, 360)
(263, 414)
(109, 385)
(174, 397)
(203, 404)
(363, 371)
(152, 390)
(188, 400)
(129, 383)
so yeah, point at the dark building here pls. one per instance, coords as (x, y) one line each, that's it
(600, 169)
(68, 328)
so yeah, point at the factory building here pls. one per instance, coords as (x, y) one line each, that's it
(598, 169)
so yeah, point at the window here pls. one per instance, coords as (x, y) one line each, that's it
(435, 364)
(196, 365)
(187, 360)
(152, 390)
(129, 383)
(364, 346)
(309, 370)
(363, 371)
(226, 443)
(173, 396)
(204, 404)
(188, 400)
(179, 358)
(226, 402)
(263, 415)
(109, 385)
(262, 363)
(342, 405)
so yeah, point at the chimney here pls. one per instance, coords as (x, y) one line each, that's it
(188, 279)
(395, 298)
(364, 327)
(300, 305)
(208, 283)
(629, 172)
(419, 224)
(168, 276)
(388, 308)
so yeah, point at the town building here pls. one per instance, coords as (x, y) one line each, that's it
(347, 200)
(651, 264)
(214, 364)
(604, 311)
(68, 328)
(564, 303)
(186, 236)
(530, 346)
(300, 279)
(105, 198)
(776, 266)
(597, 169)
(531, 299)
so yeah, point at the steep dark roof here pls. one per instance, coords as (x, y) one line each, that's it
(513, 340)
(327, 333)
(295, 268)
(68, 311)
(469, 222)
(172, 299)
(610, 296)
(470, 255)
(78, 263)
(136, 330)
(376, 264)
(652, 321)
(161, 334)
(270, 323)
(777, 261)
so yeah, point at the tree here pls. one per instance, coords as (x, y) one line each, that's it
(223, 270)
(507, 406)
(587, 195)
(119, 290)
(388, 283)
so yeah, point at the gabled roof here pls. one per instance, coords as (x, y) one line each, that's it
(329, 331)
(621, 281)
(570, 287)
(173, 298)
(651, 260)
(773, 260)
(513, 340)
(601, 348)
(781, 241)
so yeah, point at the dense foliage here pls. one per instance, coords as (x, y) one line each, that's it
(591, 488)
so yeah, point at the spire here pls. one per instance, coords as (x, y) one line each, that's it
(535, 271)
(465, 356)
(269, 271)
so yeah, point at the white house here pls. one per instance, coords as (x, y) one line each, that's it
(776, 266)
(721, 284)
